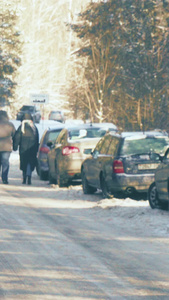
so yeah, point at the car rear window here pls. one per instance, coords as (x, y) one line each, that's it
(25, 108)
(55, 113)
(144, 145)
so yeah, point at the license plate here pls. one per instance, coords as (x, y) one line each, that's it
(147, 166)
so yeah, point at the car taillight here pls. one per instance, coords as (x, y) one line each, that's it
(118, 166)
(44, 150)
(67, 150)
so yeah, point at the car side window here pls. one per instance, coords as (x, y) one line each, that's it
(105, 145)
(53, 135)
(60, 137)
(96, 150)
(98, 146)
(113, 146)
(63, 138)
(167, 155)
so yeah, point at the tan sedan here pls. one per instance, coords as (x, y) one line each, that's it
(72, 146)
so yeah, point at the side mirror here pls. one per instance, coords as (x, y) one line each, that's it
(50, 144)
(95, 153)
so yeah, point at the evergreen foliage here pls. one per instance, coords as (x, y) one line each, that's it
(9, 54)
(123, 63)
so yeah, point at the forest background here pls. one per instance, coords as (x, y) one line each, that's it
(100, 60)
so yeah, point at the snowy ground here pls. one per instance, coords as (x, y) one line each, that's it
(57, 243)
(135, 217)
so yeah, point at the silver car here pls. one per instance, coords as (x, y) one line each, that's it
(123, 163)
(57, 115)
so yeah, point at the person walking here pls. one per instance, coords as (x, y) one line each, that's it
(27, 138)
(7, 131)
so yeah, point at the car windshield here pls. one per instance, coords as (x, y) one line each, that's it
(75, 134)
(144, 145)
(27, 107)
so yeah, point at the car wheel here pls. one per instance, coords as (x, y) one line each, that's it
(87, 189)
(43, 175)
(105, 191)
(59, 180)
(51, 179)
(153, 197)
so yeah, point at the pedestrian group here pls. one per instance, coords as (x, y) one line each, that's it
(25, 139)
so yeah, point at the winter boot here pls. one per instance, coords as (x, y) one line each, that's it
(29, 180)
(24, 178)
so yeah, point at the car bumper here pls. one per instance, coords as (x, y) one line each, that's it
(71, 170)
(129, 183)
(43, 165)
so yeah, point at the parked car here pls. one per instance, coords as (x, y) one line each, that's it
(50, 135)
(57, 115)
(47, 124)
(123, 163)
(158, 193)
(72, 146)
(32, 109)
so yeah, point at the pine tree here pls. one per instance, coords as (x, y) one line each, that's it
(9, 54)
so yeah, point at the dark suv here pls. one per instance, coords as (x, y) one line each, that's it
(32, 109)
(123, 163)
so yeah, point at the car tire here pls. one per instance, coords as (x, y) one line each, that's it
(51, 179)
(87, 189)
(43, 175)
(59, 180)
(153, 197)
(61, 183)
(105, 191)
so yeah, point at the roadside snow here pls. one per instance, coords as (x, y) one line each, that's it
(134, 217)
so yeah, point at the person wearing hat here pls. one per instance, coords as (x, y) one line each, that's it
(7, 131)
(27, 139)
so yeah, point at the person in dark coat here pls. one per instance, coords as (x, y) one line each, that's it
(27, 138)
(7, 131)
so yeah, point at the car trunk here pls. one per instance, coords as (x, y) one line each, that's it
(141, 163)
(73, 161)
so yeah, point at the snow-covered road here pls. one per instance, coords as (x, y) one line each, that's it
(57, 243)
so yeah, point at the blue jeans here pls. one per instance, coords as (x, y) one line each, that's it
(28, 170)
(4, 163)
